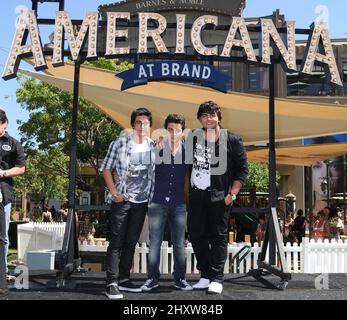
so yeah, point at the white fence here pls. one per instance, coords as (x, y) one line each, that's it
(309, 257)
(324, 257)
(39, 236)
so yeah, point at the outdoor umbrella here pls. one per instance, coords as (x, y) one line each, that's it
(298, 85)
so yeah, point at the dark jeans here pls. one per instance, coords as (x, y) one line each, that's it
(125, 224)
(3, 283)
(208, 229)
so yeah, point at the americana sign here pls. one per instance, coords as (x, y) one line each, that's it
(318, 48)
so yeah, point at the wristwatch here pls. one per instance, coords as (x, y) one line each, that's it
(233, 196)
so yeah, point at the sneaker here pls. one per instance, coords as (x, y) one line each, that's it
(112, 292)
(202, 284)
(127, 285)
(149, 285)
(215, 288)
(183, 285)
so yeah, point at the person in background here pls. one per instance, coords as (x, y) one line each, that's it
(86, 230)
(46, 215)
(60, 215)
(11, 165)
(299, 225)
(336, 224)
(288, 223)
(53, 212)
(260, 233)
(320, 229)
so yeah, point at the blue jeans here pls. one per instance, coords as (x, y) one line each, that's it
(3, 283)
(157, 216)
(7, 226)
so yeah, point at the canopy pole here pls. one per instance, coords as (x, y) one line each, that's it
(68, 259)
(272, 239)
(272, 163)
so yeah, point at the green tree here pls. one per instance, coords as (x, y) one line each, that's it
(46, 176)
(110, 64)
(48, 128)
(259, 176)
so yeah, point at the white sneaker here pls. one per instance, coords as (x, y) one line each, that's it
(215, 288)
(202, 284)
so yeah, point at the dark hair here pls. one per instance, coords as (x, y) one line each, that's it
(333, 213)
(3, 116)
(321, 213)
(300, 212)
(140, 112)
(175, 118)
(210, 107)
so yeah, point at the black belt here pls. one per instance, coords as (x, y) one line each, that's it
(201, 190)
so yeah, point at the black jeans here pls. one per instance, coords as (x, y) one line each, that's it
(125, 225)
(208, 229)
(3, 283)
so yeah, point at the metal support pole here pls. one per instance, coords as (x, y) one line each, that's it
(272, 164)
(73, 147)
(69, 257)
(61, 5)
(344, 188)
(34, 6)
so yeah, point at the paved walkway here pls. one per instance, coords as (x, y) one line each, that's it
(90, 286)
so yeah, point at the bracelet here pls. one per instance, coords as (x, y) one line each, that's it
(114, 196)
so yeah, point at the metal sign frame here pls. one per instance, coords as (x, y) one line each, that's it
(69, 259)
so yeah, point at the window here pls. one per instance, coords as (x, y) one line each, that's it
(318, 69)
(225, 68)
(258, 78)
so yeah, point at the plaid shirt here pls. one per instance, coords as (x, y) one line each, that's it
(117, 160)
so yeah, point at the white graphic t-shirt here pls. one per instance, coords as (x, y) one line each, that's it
(201, 172)
(137, 186)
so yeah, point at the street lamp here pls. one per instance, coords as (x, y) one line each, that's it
(325, 185)
(290, 199)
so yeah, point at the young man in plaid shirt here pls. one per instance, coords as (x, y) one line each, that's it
(128, 170)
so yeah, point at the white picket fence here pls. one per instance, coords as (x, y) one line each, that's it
(308, 257)
(39, 236)
(324, 257)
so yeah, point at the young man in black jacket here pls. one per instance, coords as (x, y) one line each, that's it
(219, 168)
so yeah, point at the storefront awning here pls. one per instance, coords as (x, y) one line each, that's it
(243, 114)
(301, 155)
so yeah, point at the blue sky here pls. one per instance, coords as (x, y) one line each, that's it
(304, 12)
